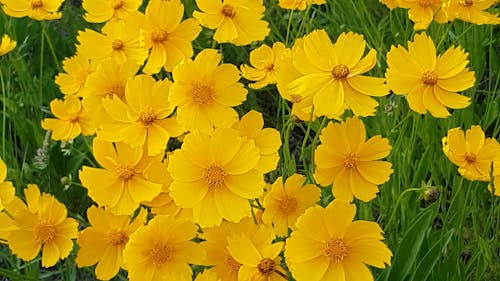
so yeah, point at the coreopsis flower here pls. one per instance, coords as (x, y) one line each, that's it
(7, 191)
(494, 185)
(169, 40)
(331, 74)
(7, 45)
(207, 275)
(268, 140)
(349, 161)
(431, 83)
(162, 250)
(77, 68)
(120, 184)
(472, 11)
(105, 10)
(142, 119)
(71, 119)
(262, 70)
(205, 92)
(35, 9)
(215, 175)
(287, 200)
(391, 4)
(235, 21)
(42, 224)
(119, 40)
(421, 12)
(6, 227)
(103, 242)
(329, 245)
(472, 152)
(299, 4)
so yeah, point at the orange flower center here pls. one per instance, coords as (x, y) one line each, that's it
(228, 11)
(470, 157)
(117, 45)
(116, 4)
(125, 172)
(266, 266)
(336, 250)
(159, 35)
(36, 4)
(350, 161)
(429, 78)
(295, 98)
(425, 3)
(340, 72)
(44, 232)
(74, 119)
(269, 67)
(232, 264)
(214, 176)
(147, 117)
(116, 90)
(118, 237)
(160, 254)
(288, 205)
(468, 2)
(203, 94)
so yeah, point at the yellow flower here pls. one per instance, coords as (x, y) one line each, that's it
(7, 45)
(235, 21)
(104, 10)
(421, 12)
(472, 153)
(215, 175)
(331, 74)
(42, 224)
(7, 191)
(391, 4)
(328, 245)
(204, 92)
(169, 40)
(121, 184)
(299, 4)
(431, 83)
(349, 161)
(268, 140)
(162, 250)
(469, 11)
(35, 9)
(207, 275)
(494, 185)
(77, 70)
(103, 242)
(71, 119)
(262, 59)
(287, 201)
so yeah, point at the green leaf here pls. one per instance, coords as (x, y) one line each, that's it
(430, 259)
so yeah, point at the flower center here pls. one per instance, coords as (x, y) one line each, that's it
(429, 78)
(147, 117)
(288, 205)
(117, 45)
(269, 67)
(335, 249)
(214, 176)
(232, 264)
(118, 237)
(160, 254)
(266, 266)
(74, 119)
(228, 11)
(159, 35)
(470, 157)
(340, 72)
(295, 98)
(125, 172)
(36, 4)
(468, 2)
(425, 3)
(116, 4)
(203, 94)
(351, 161)
(44, 232)
(116, 90)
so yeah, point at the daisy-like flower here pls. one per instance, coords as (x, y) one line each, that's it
(104, 10)
(286, 201)
(35, 9)
(472, 152)
(103, 242)
(205, 92)
(262, 70)
(299, 4)
(42, 224)
(169, 40)
(331, 74)
(235, 21)
(162, 250)
(431, 83)
(207, 275)
(268, 140)
(472, 11)
(215, 175)
(421, 12)
(77, 70)
(329, 245)
(7, 45)
(349, 161)
(494, 185)
(71, 119)
(121, 184)
(7, 191)
(391, 4)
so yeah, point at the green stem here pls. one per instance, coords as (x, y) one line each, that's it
(42, 50)
(397, 204)
(4, 114)
(51, 47)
